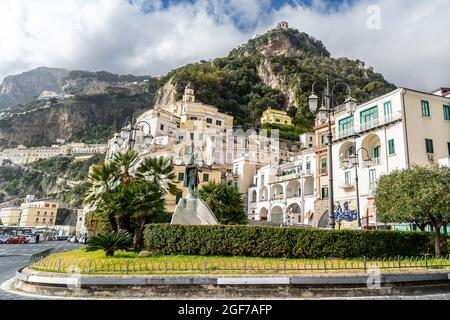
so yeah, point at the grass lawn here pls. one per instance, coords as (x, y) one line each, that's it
(82, 261)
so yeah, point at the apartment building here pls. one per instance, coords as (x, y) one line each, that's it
(394, 131)
(274, 116)
(284, 193)
(10, 216)
(39, 213)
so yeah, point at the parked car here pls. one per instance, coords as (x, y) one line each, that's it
(17, 240)
(72, 239)
(4, 238)
(31, 238)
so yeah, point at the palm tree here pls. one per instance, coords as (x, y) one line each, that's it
(102, 182)
(158, 171)
(225, 202)
(124, 163)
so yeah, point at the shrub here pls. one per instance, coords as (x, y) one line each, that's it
(284, 242)
(111, 242)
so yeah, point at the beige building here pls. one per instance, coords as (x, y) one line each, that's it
(39, 213)
(10, 216)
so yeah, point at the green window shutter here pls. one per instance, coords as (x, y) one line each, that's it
(446, 112)
(346, 124)
(376, 152)
(429, 145)
(369, 115)
(391, 147)
(308, 165)
(218, 122)
(324, 163)
(208, 120)
(205, 177)
(425, 108)
(448, 147)
(180, 176)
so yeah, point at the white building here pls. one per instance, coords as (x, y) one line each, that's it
(284, 193)
(394, 131)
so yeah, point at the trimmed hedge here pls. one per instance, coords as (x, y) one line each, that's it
(254, 241)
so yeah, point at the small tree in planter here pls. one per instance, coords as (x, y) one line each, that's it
(111, 242)
(419, 195)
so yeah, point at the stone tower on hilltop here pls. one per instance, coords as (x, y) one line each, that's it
(283, 25)
(189, 93)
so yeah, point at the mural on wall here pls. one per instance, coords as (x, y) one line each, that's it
(345, 214)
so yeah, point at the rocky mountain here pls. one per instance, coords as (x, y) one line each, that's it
(24, 87)
(275, 69)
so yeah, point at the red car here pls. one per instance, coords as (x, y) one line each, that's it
(16, 240)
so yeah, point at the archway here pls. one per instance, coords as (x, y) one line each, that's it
(263, 194)
(293, 189)
(254, 194)
(373, 145)
(323, 222)
(263, 214)
(294, 212)
(276, 215)
(277, 192)
(346, 150)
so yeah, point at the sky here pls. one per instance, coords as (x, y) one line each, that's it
(407, 41)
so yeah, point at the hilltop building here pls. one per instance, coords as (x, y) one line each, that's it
(274, 116)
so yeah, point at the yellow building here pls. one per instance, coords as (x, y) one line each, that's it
(274, 116)
(10, 216)
(206, 175)
(40, 213)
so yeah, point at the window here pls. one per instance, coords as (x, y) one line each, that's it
(388, 110)
(448, 147)
(323, 139)
(181, 176)
(38, 212)
(425, 108)
(369, 115)
(47, 205)
(372, 177)
(208, 120)
(446, 112)
(323, 166)
(277, 120)
(161, 127)
(376, 152)
(348, 178)
(346, 124)
(205, 177)
(429, 145)
(53, 205)
(51, 220)
(218, 122)
(43, 220)
(262, 179)
(324, 193)
(391, 147)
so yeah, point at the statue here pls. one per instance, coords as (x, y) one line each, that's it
(191, 173)
(192, 210)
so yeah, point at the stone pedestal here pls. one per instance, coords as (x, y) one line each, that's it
(193, 211)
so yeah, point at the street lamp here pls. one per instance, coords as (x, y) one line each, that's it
(130, 132)
(324, 113)
(355, 162)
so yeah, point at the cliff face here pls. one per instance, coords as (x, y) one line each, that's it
(82, 118)
(24, 87)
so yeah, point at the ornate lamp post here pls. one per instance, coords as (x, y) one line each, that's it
(325, 112)
(130, 132)
(355, 161)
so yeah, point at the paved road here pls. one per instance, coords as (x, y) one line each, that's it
(15, 256)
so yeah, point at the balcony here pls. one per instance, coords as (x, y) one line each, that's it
(278, 197)
(346, 184)
(345, 133)
(377, 122)
(372, 163)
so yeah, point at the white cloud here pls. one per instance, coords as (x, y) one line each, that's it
(411, 48)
